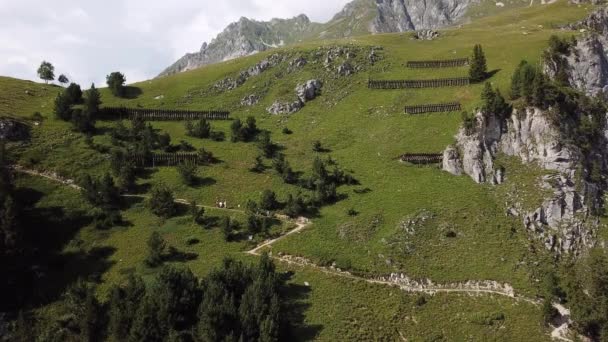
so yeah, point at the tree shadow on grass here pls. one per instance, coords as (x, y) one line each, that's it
(200, 182)
(131, 92)
(297, 297)
(45, 269)
(175, 255)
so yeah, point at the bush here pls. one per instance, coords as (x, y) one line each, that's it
(187, 172)
(269, 200)
(161, 201)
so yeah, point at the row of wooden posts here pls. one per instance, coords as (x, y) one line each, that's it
(162, 114)
(447, 63)
(433, 108)
(432, 83)
(422, 158)
(164, 159)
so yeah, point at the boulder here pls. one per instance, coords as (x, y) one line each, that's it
(309, 90)
(250, 100)
(345, 69)
(426, 34)
(298, 62)
(278, 108)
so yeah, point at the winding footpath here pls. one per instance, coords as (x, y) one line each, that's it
(394, 280)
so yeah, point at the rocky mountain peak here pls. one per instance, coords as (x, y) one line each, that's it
(359, 17)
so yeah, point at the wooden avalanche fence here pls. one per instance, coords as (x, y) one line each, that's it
(433, 108)
(447, 63)
(422, 158)
(164, 159)
(162, 114)
(433, 83)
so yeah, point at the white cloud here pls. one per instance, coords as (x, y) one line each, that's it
(89, 39)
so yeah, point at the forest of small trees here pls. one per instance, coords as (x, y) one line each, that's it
(235, 302)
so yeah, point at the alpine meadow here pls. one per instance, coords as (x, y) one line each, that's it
(406, 171)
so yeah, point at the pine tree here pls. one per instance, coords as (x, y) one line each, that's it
(161, 201)
(538, 90)
(267, 147)
(156, 250)
(227, 228)
(63, 107)
(479, 69)
(258, 165)
(268, 200)
(147, 325)
(516, 81)
(235, 129)
(187, 172)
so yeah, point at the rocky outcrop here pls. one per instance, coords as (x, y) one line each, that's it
(529, 135)
(426, 35)
(231, 83)
(587, 65)
(305, 92)
(410, 15)
(12, 130)
(309, 90)
(250, 100)
(279, 107)
(243, 38)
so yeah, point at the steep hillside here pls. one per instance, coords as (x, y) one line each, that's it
(417, 227)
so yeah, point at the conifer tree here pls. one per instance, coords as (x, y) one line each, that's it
(479, 69)
(156, 250)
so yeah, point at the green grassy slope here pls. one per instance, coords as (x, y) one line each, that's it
(365, 130)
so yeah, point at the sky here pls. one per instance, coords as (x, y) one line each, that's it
(87, 40)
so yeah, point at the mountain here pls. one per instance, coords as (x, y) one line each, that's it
(358, 17)
(243, 38)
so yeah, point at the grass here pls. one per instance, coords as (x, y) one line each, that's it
(365, 130)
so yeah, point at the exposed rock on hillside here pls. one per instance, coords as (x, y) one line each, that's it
(305, 92)
(231, 83)
(529, 135)
(587, 64)
(358, 17)
(426, 34)
(408, 15)
(250, 100)
(309, 90)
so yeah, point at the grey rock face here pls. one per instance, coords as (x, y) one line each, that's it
(250, 100)
(231, 83)
(305, 92)
(588, 65)
(529, 135)
(409, 15)
(345, 69)
(309, 90)
(278, 108)
(243, 38)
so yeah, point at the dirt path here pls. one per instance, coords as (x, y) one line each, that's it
(301, 224)
(395, 280)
